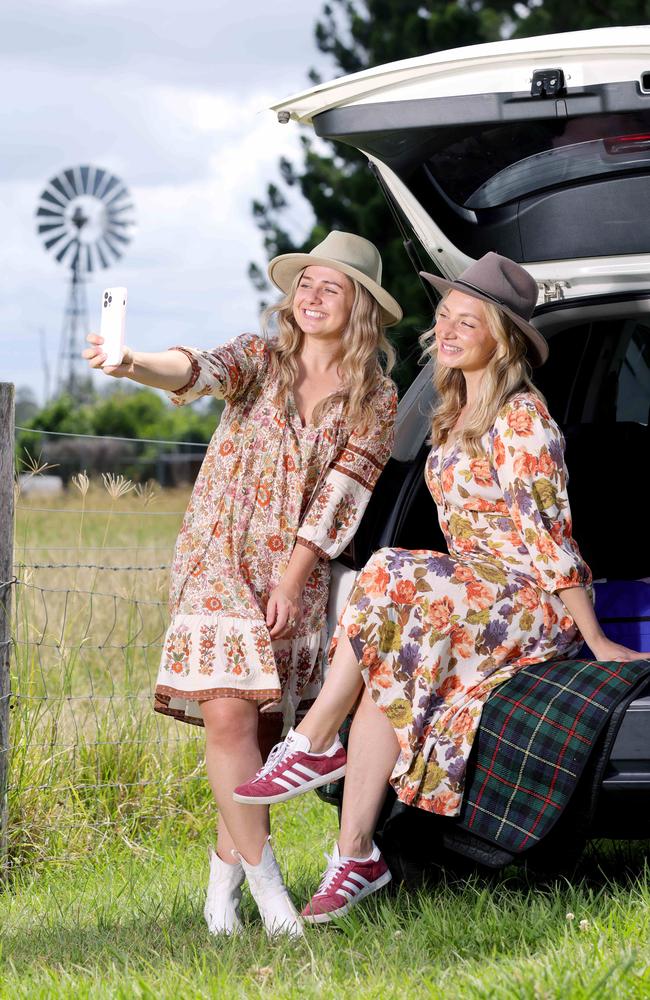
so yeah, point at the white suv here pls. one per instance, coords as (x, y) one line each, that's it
(539, 149)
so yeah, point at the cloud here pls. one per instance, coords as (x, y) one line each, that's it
(172, 99)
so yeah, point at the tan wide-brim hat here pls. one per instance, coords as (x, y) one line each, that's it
(505, 284)
(345, 252)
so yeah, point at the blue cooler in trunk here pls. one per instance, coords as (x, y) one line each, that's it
(623, 610)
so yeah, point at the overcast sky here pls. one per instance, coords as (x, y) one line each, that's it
(173, 98)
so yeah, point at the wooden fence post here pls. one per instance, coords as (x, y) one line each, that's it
(6, 588)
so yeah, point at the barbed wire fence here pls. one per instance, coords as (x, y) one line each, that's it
(83, 587)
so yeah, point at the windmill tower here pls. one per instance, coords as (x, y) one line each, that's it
(85, 218)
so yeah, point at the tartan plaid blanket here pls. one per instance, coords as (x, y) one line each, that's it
(536, 734)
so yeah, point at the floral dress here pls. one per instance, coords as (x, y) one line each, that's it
(435, 633)
(267, 482)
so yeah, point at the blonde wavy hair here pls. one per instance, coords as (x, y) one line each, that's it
(508, 371)
(364, 347)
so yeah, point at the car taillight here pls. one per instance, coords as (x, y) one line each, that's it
(639, 143)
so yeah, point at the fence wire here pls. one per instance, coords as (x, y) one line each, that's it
(88, 757)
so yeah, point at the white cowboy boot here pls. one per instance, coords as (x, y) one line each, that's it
(224, 895)
(267, 887)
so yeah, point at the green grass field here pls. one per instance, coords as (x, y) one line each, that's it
(110, 820)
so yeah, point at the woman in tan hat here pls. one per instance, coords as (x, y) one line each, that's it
(307, 428)
(431, 634)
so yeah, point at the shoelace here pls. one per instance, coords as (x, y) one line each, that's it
(278, 753)
(333, 869)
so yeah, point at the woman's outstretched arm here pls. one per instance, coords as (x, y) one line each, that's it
(168, 370)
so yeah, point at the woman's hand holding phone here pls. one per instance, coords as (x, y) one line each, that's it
(96, 357)
(112, 356)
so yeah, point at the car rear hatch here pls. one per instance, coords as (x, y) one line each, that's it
(538, 148)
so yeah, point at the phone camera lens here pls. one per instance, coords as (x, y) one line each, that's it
(110, 298)
(105, 295)
(105, 304)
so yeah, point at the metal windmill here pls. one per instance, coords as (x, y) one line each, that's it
(85, 218)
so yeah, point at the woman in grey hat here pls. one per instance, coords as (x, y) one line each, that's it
(427, 634)
(305, 433)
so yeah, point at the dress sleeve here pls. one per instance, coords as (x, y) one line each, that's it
(340, 500)
(227, 372)
(528, 458)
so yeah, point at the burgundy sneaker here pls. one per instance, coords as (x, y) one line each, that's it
(292, 769)
(346, 881)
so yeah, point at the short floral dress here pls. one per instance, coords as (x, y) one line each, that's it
(266, 483)
(436, 632)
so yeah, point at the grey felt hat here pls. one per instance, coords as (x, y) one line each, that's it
(507, 285)
(345, 252)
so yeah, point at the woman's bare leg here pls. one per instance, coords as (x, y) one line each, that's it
(335, 700)
(232, 754)
(372, 752)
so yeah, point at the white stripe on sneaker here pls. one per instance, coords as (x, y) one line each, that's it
(289, 785)
(298, 779)
(361, 881)
(307, 771)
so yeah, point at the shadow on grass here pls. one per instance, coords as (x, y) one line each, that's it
(601, 863)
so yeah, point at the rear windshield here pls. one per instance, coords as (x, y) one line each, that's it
(481, 167)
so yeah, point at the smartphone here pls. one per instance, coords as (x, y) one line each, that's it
(112, 325)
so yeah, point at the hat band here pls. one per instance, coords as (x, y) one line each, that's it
(481, 291)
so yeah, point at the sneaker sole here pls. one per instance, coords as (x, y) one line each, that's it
(325, 918)
(308, 786)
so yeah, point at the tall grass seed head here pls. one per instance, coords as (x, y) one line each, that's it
(116, 486)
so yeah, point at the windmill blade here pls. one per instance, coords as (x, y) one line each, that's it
(46, 196)
(70, 177)
(120, 209)
(99, 177)
(61, 254)
(121, 193)
(58, 214)
(116, 251)
(50, 226)
(117, 236)
(84, 173)
(109, 187)
(57, 184)
(103, 187)
(105, 262)
(118, 201)
(124, 224)
(53, 240)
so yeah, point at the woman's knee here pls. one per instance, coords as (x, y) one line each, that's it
(229, 721)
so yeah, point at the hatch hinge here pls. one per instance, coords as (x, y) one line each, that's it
(553, 291)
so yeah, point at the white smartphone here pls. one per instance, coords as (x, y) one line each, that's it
(113, 324)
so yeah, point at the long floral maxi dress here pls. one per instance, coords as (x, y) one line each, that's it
(436, 632)
(266, 483)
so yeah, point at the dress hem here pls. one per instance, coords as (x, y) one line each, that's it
(161, 703)
(206, 694)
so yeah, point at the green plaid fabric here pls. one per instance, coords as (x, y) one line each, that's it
(536, 734)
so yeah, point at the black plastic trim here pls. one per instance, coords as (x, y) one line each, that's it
(352, 122)
(579, 302)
